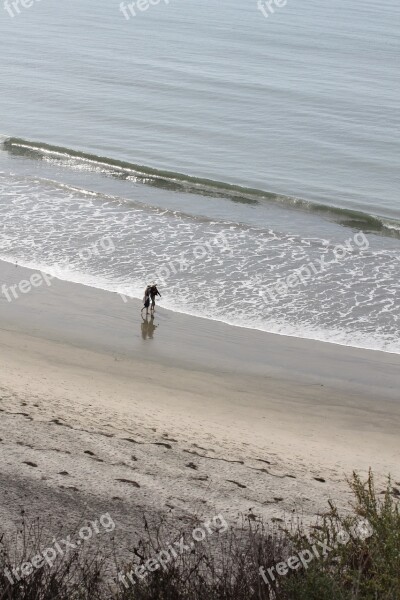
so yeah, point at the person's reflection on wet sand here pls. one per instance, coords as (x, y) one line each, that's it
(148, 327)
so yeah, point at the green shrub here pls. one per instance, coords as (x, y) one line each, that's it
(367, 566)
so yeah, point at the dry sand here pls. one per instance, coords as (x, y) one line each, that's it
(201, 418)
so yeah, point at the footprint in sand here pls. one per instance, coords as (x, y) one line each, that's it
(237, 483)
(134, 483)
(274, 474)
(192, 466)
(26, 415)
(239, 462)
(168, 446)
(58, 422)
(201, 448)
(165, 436)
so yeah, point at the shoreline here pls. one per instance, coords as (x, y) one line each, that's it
(237, 418)
(196, 316)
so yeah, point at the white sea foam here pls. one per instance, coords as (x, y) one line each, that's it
(352, 302)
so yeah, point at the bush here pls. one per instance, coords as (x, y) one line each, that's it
(366, 563)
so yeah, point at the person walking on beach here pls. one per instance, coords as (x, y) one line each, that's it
(146, 300)
(153, 294)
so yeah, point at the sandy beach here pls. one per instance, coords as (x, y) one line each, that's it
(100, 413)
(242, 442)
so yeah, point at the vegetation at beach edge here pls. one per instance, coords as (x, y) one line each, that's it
(354, 564)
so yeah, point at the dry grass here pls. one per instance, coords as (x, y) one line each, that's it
(226, 565)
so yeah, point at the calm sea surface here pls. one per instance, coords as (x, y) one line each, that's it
(225, 153)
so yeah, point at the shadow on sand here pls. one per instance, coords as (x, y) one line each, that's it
(148, 327)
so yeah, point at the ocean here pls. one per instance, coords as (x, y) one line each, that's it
(244, 155)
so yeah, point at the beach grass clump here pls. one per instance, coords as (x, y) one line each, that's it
(355, 556)
(224, 568)
(78, 575)
(362, 561)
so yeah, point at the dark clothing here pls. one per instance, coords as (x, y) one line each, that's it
(146, 299)
(154, 293)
